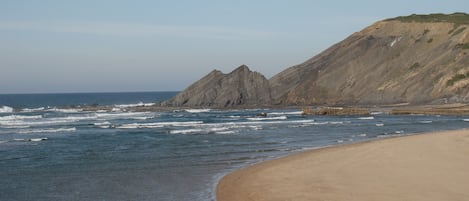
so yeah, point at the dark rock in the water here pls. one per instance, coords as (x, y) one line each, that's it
(37, 139)
(240, 87)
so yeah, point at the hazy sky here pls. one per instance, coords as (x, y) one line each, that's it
(111, 45)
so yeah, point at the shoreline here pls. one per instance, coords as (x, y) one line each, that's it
(459, 109)
(414, 167)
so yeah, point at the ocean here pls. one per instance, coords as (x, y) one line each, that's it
(49, 153)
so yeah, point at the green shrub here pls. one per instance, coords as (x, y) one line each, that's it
(463, 46)
(457, 18)
(457, 78)
(415, 66)
(425, 32)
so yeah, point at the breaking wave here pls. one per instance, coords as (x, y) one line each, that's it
(197, 110)
(6, 109)
(366, 118)
(47, 130)
(160, 124)
(286, 113)
(18, 117)
(33, 109)
(64, 110)
(140, 104)
(267, 118)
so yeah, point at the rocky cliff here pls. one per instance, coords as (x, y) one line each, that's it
(416, 59)
(240, 87)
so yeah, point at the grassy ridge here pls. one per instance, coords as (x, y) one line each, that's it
(457, 18)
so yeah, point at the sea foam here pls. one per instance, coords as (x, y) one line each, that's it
(33, 109)
(160, 124)
(6, 109)
(267, 118)
(19, 117)
(366, 118)
(140, 104)
(62, 110)
(197, 110)
(286, 113)
(47, 130)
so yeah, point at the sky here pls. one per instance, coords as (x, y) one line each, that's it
(66, 46)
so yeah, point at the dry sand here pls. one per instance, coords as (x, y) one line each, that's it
(426, 167)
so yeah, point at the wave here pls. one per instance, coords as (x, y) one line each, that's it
(362, 135)
(266, 118)
(73, 118)
(137, 125)
(425, 122)
(160, 124)
(33, 109)
(113, 115)
(140, 104)
(187, 131)
(197, 110)
(6, 109)
(105, 124)
(219, 130)
(379, 125)
(225, 132)
(62, 110)
(366, 118)
(19, 117)
(15, 126)
(466, 120)
(21, 123)
(286, 113)
(48, 130)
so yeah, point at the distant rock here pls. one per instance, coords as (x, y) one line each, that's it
(240, 87)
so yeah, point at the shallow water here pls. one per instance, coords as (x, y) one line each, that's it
(53, 154)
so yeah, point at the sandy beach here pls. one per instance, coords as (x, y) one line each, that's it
(433, 166)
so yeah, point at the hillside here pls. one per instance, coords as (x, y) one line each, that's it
(392, 61)
(417, 59)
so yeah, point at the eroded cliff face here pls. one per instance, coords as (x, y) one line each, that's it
(392, 61)
(240, 87)
(388, 62)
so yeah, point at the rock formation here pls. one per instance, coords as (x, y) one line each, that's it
(393, 61)
(240, 87)
(416, 59)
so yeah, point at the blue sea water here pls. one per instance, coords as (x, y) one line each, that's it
(48, 153)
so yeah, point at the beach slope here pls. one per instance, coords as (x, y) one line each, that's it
(428, 167)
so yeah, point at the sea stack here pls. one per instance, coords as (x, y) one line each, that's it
(240, 87)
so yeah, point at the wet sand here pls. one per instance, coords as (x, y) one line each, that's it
(432, 166)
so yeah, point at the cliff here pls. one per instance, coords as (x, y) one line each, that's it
(417, 59)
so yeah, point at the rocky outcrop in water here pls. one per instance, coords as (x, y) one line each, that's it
(240, 87)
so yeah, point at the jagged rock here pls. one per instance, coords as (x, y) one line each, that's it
(240, 87)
